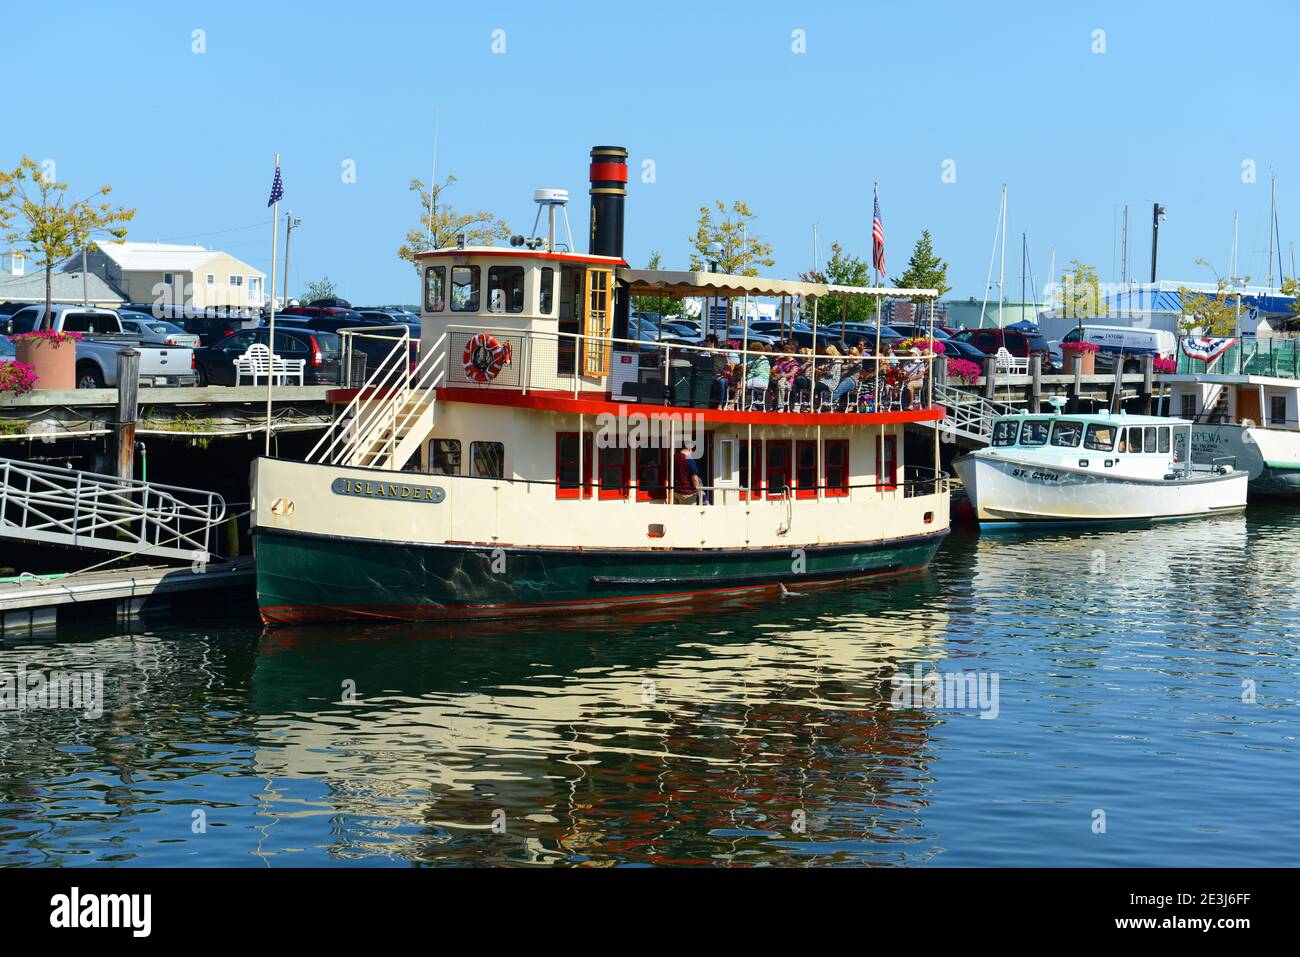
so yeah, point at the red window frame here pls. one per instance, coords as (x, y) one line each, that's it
(751, 464)
(616, 458)
(644, 458)
(805, 471)
(837, 473)
(887, 452)
(560, 462)
(779, 476)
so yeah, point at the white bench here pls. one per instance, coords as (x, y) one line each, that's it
(1004, 361)
(258, 362)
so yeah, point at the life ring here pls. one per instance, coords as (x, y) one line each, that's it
(484, 357)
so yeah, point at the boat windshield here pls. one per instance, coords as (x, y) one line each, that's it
(1035, 432)
(1067, 434)
(1004, 433)
(1100, 438)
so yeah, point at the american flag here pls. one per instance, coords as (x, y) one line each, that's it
(277, 188)
(877, 236)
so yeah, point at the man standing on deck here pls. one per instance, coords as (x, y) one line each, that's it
(687, 488)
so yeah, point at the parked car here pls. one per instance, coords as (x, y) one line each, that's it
(372, 345)
(390, 316)
(157, 332)
(320, 350)
(317, 311)
(210, 325)
(102, 339)
(1112, 341)
(1020, 344)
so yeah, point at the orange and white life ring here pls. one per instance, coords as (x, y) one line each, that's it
(484, 357)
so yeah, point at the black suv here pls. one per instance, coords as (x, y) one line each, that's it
(319, 350)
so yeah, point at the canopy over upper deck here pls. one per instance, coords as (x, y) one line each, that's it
(647, 282)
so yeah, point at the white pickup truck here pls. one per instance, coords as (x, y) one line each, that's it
(102, 338)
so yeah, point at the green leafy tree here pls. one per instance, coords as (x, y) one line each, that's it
(659, 305)
(322, 288)
(440, 224)
(924, 270)
(1081, 292)
(1291, 287)
(38, 217)
(742, 251)
(842, 269)
(1208, 314)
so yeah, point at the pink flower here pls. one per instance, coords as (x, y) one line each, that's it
(17, 378)
(48, 335)
(965, 370)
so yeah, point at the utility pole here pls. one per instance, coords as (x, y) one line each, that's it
(291, 222)
(1157, 214)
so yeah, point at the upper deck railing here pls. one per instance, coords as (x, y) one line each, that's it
(1275, 356)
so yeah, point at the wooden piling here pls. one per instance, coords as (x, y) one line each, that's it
(1036, 386)
(128, 407)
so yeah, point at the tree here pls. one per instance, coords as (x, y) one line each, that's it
(440, 224)
(741, 251)
(1081, 292)
(1213, 314)
(924, 270)
(658, 305)
(843, 270)
(37, 215)
(1291, 287)
(323, 288)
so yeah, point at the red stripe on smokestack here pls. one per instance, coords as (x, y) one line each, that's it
(609, 171)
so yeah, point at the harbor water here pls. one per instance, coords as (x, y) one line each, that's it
(1125, 697)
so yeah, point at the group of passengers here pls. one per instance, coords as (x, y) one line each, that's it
(784, 376)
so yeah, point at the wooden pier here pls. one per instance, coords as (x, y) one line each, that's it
(32, 602)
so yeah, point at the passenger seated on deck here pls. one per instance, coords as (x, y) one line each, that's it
(829, 372)
(758, 370)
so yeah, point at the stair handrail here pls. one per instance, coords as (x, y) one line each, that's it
(380, 379)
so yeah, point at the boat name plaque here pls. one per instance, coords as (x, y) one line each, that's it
(398, 491)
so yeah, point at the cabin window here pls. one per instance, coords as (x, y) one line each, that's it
(805, 468)
(837, 467)
(1187, 404)
(1164, 441)
(613, 472)
(1067, 434)
(487, 459)
(464, 288)
(778, 469)
(1100, 438)
(1004, 433)
(1035, 432)
(751, 464)
(1149, 441)
(547, 292)
(435, 288)
(567, 481)
(1277, 410)
(444, 456)
(506, 289)
(651, 469)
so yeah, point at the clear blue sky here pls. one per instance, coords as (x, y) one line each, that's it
(712, 93)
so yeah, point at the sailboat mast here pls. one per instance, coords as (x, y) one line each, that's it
(1002, 267)
(1272, 221)
(988, 277)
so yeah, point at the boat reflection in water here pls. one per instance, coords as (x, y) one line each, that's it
(759, 732)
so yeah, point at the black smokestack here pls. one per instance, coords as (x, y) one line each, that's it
(608, 193)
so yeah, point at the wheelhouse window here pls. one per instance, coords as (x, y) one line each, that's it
(1067, 434)
(567, 469)
(506, 289)
(487, 459)
(836, 455)
(1100, 438)
(613, 472)
(1035, 432)
(1004, 433)
(435, 288)
(444, 456)
(464, 288)
(546, 294)
(1149, 439)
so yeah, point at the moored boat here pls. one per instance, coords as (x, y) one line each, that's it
(537, 460)
(1068, 469)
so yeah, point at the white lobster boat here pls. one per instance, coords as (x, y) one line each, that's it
(528, 462)
(1061, 469)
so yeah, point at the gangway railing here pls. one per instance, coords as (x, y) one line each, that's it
(970, 416)
(60, 506)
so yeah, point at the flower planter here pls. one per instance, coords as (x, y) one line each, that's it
(1085, 361)
(55, 362)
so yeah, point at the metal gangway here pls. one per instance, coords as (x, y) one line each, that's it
(61, 506)
(970, 416)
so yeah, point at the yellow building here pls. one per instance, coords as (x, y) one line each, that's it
(177, 274)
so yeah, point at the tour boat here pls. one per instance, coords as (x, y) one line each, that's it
(528, 461)
(1063, 469)
(1249, 421)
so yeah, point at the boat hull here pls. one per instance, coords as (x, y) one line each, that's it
(1007, 493)
(304, 577)
(1270, 456)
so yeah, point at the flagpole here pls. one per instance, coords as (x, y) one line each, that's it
(876, 264)
(275, 246)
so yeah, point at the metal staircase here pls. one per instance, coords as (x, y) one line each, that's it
(969, 417)
(391, 413)
(58, 506)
